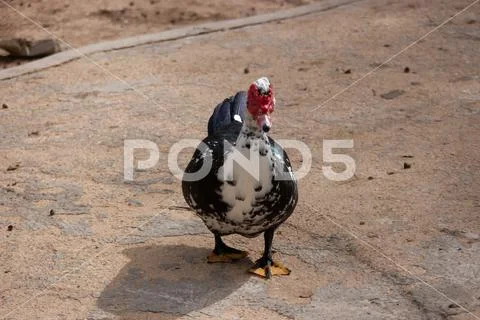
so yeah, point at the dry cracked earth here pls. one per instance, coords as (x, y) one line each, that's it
(400, 240)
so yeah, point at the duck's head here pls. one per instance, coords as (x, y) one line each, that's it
(260, 103)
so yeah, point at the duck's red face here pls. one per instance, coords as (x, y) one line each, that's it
(261, 102)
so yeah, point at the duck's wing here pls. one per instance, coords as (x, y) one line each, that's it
(230, 110)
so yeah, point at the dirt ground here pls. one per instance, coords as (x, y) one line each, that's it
(400, 240)
(85, 22)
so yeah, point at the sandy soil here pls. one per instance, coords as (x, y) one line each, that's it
(84, 22)
(400, 240)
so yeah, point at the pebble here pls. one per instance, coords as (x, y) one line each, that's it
(13, 167)
(392, 94)
(305, 295)
(134, 203)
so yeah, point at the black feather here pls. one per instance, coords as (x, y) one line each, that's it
(225, 112)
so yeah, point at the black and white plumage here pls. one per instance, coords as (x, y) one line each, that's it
(229, 199)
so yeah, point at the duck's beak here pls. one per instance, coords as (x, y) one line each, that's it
(264, 122)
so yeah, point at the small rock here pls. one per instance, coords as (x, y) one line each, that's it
(370, 178)
(407, 156)
(10, 228)
(34, 133)
(409, 239)
(348, 71)
(390, 173)
(6, 271)
(4, 106)
(51, 213)
(131, 4)
(306, 294)
(246, 70)
(406, 165)
(386, 45)
(392, 94)
(134, 203)
(406, 70)
(13, 167)
(20, 47)
(362, 223)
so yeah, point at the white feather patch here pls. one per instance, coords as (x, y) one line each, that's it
(237, 118)
(242, 193)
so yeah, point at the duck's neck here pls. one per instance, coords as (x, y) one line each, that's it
(250, 129)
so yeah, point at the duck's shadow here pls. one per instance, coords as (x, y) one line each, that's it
(171, 279)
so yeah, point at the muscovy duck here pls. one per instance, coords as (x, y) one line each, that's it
(248, 186)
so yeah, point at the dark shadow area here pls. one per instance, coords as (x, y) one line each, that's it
(170, 280)
(11, 61)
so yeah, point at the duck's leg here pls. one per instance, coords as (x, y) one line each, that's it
(224, 253)
(265, 266)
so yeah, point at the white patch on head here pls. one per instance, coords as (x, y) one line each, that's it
(263, 84)
(237, 118)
